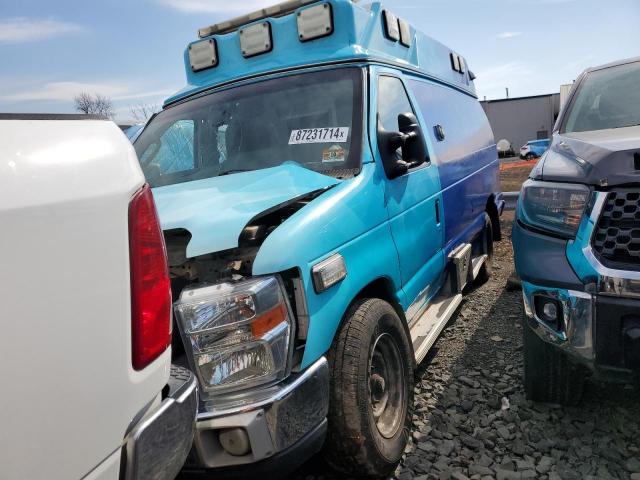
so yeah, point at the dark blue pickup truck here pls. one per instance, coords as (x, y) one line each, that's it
(577, 240)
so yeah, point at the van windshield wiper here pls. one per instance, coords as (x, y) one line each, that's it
(229, 172)
(630, 125)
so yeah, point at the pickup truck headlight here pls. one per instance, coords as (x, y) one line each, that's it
(553, 207)
(239, 333)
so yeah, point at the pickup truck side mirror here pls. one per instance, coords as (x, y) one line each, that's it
(409, 138)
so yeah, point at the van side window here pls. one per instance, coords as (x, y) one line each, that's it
(392, 101)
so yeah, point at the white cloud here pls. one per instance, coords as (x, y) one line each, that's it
(61, 91)
(66, 91)
(492, 81)
(504, 35)
(22, 29)
(217, 6)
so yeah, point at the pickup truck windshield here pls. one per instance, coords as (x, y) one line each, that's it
(314, 119)
(607, 98)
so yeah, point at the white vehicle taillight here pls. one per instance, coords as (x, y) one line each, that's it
(150, 284)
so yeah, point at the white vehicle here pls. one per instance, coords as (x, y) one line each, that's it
(88, 386)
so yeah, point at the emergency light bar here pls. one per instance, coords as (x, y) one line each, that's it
(235, 23)
(314, 21)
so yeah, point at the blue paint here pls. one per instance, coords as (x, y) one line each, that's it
(576, 252)
(358, 35)
(411, 204)
(399, 230)
(215, 210)
(350, 219)
(467, 158)
(537, 147)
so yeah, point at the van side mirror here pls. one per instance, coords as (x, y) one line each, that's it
(409, 138)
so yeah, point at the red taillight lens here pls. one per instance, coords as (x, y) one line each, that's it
(150, 284)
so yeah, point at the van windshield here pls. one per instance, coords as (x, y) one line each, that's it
(607, 98)
(313, 119)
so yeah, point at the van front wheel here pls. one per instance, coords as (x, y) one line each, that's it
(371, 398)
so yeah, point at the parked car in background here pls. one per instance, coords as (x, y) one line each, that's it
(534, 149)
(86, 310)
(327, 183)
(577, 240)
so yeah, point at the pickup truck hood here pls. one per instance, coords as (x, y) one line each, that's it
(215, 210)
(602, 158)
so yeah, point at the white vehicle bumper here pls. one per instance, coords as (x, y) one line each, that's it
(159, 444)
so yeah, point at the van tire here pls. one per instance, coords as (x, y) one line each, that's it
(358, 444)
(487, 248)
(549, 375)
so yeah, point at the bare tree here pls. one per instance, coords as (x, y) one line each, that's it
(94, 104)
(143, 111)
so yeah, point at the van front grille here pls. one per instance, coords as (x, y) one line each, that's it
(616, 239)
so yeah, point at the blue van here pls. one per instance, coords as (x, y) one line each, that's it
(534, 149)
(327, 183)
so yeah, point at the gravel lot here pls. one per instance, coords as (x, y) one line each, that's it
(473, 421)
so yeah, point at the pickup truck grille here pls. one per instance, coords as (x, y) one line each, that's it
(617, 235)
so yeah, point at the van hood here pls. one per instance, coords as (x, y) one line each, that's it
(216, 210)
(601, 158)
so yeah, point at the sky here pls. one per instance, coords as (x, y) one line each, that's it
(131, 51)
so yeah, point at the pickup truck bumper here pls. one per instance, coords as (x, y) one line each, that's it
(159, 444)
(242, 437)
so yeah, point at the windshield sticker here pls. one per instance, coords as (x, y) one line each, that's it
(319, 135)
(335, 153)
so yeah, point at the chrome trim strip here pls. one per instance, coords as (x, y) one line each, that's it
(620, 287)
(272, 424)
(613, 282)
(284, 390)
(577, 336)
(607, 272)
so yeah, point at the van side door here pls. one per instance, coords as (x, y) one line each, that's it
(412, 200)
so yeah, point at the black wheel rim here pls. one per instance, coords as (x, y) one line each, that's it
(387, 393)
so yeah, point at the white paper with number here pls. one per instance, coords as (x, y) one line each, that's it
(319, 135)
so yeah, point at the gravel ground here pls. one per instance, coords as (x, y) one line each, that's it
(473, 421)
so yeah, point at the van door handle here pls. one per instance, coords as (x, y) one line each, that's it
(438, 212)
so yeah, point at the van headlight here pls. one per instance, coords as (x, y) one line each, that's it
(239, 333)
(553, 207)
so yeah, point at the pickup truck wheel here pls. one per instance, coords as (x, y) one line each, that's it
(371, 398)
(530, 156)
(549, 375)
(487, 247)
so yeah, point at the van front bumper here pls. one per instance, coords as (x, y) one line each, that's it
(159, 443)
(288, 419)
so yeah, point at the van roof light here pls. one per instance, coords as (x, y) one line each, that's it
(391, 26)
(315, 22)
(405, 32)
(256, 39)
(274, 11)
(203, 54)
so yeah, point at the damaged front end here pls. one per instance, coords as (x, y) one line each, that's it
(244, 336)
